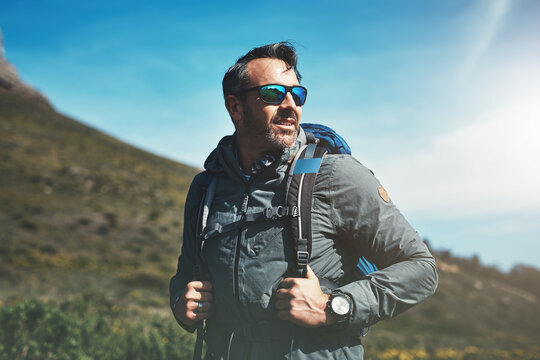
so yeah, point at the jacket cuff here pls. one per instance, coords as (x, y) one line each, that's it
(191, 328)
(364, 308)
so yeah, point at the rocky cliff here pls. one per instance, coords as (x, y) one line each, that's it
(10, 80)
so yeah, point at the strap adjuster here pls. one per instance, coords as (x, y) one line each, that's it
(302, 257)
(273, 213)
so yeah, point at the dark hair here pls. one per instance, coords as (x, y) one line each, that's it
(237, 77)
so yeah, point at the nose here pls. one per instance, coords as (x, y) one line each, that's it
(288, 102)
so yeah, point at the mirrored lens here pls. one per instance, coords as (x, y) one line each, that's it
(273, 94)
(299, 95)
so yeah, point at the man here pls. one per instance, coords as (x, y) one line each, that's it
(254, 307)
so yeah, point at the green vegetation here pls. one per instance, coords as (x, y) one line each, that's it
(90, 236)
(82, 330)
(84, 217)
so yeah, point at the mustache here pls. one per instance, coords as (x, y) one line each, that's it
(286, 114)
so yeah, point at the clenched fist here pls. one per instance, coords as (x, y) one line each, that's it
(195, 304)
(301, 301)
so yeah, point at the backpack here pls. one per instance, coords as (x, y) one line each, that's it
(300, 181)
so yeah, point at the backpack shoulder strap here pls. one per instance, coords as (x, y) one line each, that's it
(207, 188)
(301, 180)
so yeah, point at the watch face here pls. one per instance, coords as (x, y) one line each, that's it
(340, 305)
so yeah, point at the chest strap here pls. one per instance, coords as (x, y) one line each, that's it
(271, 213)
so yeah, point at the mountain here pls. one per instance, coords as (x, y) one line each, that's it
(10, 80)
(90, 236)
(77, 204)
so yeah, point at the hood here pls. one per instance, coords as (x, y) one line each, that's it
(223, 157)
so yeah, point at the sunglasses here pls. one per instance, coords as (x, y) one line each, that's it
(275, 94)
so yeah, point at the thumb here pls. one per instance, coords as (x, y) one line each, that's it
(310, 274)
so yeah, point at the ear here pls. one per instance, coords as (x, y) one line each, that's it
(235, 108)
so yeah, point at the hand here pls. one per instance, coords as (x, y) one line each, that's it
(186, 307)
(301, 301)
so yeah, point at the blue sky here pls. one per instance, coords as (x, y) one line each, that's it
(441, 99)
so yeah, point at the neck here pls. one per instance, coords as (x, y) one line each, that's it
(248, 155)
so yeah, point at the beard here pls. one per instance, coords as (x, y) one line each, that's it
(275, 138)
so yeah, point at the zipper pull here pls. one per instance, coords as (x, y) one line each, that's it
(245, 204)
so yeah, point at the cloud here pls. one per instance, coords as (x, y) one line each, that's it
(488, 167)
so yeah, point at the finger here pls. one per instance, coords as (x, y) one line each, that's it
(284, 315)
(201, 306)
(198, 316)
(206, 297)
(283, 293)
(287, 283)
(194, 305)
(206, 286)
(207, 307)
(199, 296)
(200, 285)
(282, 305)
(310, 274)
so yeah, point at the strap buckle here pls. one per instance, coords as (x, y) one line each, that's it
(302, 258)
(273, 213)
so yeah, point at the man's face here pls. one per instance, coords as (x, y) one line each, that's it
(267, 126)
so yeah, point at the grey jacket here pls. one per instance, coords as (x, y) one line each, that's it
(247, 262)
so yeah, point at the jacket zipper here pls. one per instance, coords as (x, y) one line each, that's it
(237, 250)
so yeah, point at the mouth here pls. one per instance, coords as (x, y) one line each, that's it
(286, 123)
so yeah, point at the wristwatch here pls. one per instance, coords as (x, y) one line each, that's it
(340, 305)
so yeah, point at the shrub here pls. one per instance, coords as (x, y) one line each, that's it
(28, 225)
(75, 330)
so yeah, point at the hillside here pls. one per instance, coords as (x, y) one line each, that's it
(75, 199)
(90, 236)
(81, 211)
(477, 313)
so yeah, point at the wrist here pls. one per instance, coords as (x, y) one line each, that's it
(339, 309)
(329, 318)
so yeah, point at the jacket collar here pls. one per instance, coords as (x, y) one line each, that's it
(224, 159)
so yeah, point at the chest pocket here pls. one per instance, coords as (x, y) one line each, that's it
(264, 236)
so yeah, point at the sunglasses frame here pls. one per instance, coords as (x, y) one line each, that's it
(287, 90)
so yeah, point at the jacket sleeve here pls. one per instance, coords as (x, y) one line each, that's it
(186, 261)
(370, 223)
